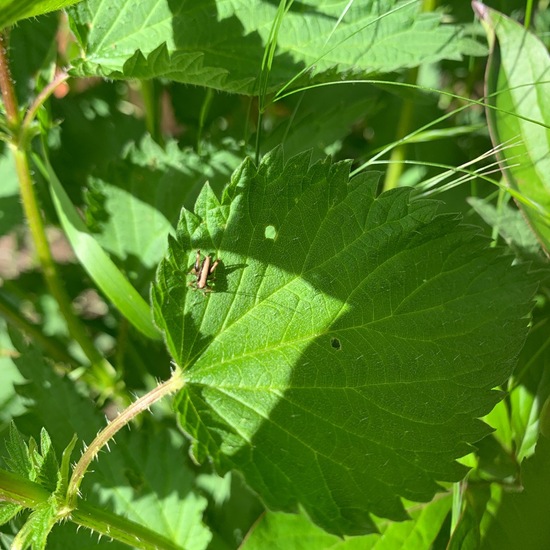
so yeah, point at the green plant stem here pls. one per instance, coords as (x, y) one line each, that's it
(6, 86)
(398, 154)
(101, 369)
(528, 13)
(153, 108)
(121, 529)
(48, 344)
(18, 490)
(205, 109)
(173, 384)
(429, 5)
(42, 97)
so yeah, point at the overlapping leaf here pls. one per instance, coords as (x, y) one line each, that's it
(133, 223)
(12, 11)
(518, 89)
(294, 532)
(221, 44)
(351, 343)
(142, 478)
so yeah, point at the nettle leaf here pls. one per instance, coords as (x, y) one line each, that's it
(141, 478)
(36, 529)
(19, 459)
(517, 87)
(350, 345)
(8, 510)
(221, 44)
(294, 532)
(160, 491)
(12, 11)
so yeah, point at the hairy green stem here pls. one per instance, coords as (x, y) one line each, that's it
(102, 370)
(173, 384)
(18, 490)
(42, 97)
(395, 166)
(29, 494)
(6, 85)
(121, 529)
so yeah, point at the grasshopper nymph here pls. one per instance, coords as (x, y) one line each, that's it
(203, 270)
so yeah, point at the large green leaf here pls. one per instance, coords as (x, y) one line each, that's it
(12, 11)
(33, 49)
(518, 88)
(351, 343)
(221, 44)
(278, 531)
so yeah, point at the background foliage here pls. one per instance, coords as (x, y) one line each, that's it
(357, 330)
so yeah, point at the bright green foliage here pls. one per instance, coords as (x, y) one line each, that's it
(19, 460)
(131, 222)
(31, 462)
(355, 342)
(511, 225)
(351, 342)
(221, 44)
(279, 531)
(143, 478)
(148, 482)
(36, 465)
(12, 11)
(519, 88)
(36, 529)
(8, 511)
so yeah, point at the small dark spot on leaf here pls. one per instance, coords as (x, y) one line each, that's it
(335, 343)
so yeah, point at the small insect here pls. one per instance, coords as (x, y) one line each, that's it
(203, 270)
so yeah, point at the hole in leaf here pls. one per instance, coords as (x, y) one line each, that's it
(270, 232)
(335, 343)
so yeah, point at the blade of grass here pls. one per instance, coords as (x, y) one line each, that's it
(95, 260)
(101, 371)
